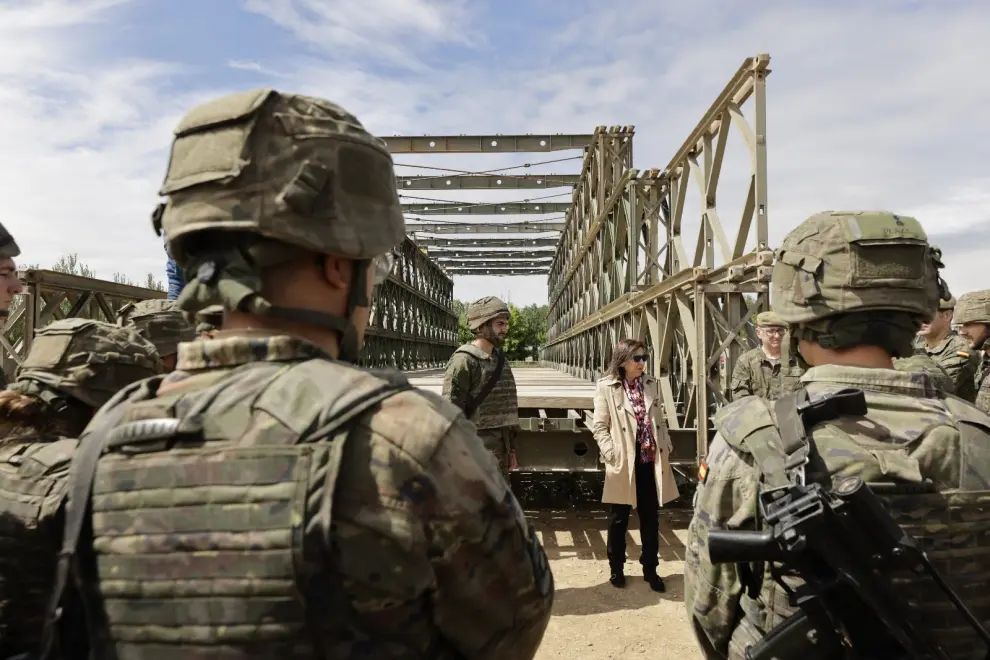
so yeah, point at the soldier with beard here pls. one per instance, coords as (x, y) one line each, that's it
(948, 351)
(10, 285)
(480, 382)
(973, 316)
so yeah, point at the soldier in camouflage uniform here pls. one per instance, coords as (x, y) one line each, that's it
(269, 498)
(758, 371)
(470, 369)
(949, 351)
(161, 323)
(208, 321)
(10, 284)
(973, 315)
(74, 367)
(854, 288)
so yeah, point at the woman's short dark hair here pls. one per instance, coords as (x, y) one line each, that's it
(622, 352)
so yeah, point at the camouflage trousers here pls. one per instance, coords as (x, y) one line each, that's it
(498, 441)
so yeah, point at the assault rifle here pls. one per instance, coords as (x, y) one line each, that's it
(845, 546)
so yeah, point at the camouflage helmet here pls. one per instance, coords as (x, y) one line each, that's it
(159, 321)
(485, 309)
(209, 319)
(837, 262)
(973, 307)
(8, 246)
(87, 360)
(293, 168)
(769, 320)
(290, 174)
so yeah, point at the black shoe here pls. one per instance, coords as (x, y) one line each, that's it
(655, 582)
(617, 579)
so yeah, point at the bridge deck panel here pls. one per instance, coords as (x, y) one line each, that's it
(538, 387)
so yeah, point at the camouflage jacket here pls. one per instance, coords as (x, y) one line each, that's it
(467, 372)
(271, 528)
(922, 363)
(33, 476)
(914, 435)
(958, 362)
(982, 383)
(756, 375)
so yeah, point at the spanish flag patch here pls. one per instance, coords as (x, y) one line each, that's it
(962, 354)
(702, 471)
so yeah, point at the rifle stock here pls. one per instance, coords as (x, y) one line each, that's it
(845, 546)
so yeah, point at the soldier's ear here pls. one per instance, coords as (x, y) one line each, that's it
(337, 271)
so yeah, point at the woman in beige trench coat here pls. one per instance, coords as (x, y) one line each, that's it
(635, 446)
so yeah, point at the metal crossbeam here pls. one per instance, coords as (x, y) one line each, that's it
(487, 263)
(477, 144)
(496, 272)
(486, 181)
(484, 208)
(440, 255)
(485, 227)
(434, 243)
(412, 324)
(622, 268)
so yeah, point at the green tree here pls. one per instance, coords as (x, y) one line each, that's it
(464, 334)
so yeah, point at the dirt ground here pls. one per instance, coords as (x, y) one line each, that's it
(592, 620)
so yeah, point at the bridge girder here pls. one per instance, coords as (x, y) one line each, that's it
(623, 270)
(486, 181)
(479, 144)
(432, 243)
(484, 227)
(486, 208)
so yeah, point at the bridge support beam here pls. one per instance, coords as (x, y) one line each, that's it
(412, 325)
(623, 268)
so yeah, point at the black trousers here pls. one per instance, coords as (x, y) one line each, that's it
(648, 509)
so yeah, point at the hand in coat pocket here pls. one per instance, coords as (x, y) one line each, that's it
(607, 450)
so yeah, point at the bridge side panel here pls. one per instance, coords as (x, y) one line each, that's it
(625, 271)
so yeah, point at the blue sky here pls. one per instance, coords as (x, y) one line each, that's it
(871, 104)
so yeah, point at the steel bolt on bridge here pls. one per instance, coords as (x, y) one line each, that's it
(618, 265)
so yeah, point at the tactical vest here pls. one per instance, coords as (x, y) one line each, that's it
(501, 406)
(33, 479)
(952, 527)
(212, 512)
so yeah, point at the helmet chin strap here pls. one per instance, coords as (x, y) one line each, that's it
(342, 326)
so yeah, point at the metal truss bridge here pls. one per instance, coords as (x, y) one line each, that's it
(612, 241)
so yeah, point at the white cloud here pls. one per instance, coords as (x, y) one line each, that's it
(870, 105)
(390, 31)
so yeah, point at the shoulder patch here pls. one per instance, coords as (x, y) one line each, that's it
(743, 417)
(963, 354)
(702, 471)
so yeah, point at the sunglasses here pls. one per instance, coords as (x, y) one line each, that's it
(775, 332)
(640, 358)
(382, 266)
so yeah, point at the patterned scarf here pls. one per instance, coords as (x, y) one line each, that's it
(644, 429)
